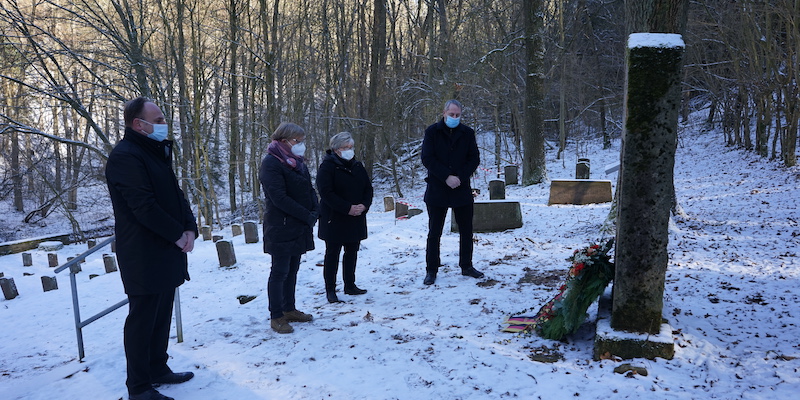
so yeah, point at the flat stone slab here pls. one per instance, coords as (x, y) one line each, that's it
(579, 191)
(493, 216)
(627, 345)
(51, 246)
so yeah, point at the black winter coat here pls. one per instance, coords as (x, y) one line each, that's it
(341, 184)
(449, 151)
(291, 208)
(151, 214)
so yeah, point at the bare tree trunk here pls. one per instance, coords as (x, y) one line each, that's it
(534, 166)
(233, 105)
(376, 77)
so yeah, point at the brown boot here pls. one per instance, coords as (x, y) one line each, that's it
(281, 325)
(297, 316)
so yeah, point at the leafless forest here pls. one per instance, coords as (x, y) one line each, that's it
(226, 72)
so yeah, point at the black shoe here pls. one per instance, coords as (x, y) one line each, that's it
(471, 271)
(173, 377)
(354, 291)
(332, 298)
(149, 394)
(430, 278)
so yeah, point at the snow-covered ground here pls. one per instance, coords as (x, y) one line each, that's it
(731, 298)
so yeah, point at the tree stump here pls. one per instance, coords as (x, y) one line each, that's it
(27, 259)
(250, 232)
(52, 260)
(497, 190)
(236, 229)
(510, 174)
(388, 203)
(9, 288)
(227, 257)
(49, 283)
(110, 263)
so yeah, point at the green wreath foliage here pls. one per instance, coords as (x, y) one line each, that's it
(588, 276)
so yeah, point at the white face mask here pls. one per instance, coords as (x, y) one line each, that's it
(299, 149)
(348, 154)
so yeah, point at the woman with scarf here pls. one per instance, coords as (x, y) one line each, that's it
(345, 191)
(291, 212)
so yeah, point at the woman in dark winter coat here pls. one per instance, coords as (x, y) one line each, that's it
(291, 212)
(346, 193)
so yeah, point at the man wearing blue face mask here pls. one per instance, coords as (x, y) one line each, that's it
(450, 153)
(154, 228)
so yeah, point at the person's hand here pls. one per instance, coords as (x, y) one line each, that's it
(357, 209)
(186, 242)
(453, 181)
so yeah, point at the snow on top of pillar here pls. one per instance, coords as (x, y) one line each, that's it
(667, 40)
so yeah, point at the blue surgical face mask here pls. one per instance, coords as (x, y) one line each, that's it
(348, 154)
(451, 122)
(159, 131)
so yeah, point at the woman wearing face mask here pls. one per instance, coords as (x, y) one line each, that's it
(345, 190)
(291, 212)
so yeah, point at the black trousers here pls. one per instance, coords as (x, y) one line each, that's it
(331, 264)
(146, 337)
(436, 217)
(281, 284)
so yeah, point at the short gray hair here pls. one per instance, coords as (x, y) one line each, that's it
(453, 102)
(340, 140)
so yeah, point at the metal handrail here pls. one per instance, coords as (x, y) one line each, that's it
(79, 325)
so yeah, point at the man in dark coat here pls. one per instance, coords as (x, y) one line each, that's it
(346, 193)
(155, 228)
(450, 153)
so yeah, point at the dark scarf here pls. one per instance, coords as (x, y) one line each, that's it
(279, 150)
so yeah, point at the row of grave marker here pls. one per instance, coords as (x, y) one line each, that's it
(49, 283)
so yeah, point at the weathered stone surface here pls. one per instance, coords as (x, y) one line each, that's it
(91, 243)
(27, 259)
(251, 232)
(510, 173)
(205, 232)
(51, 246)
(497, 190)
(579, 191)
(19, 246)
(52, 260)
(610, 343)
(49, 283)
(388, 203)
(400, 210)
(216, 238)
(582, 169)
(245, 298)
(227, 257)
(413, 212)
(645, 184)
(236, 230)
(9, 288)
(110, 263)
(493, 216)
